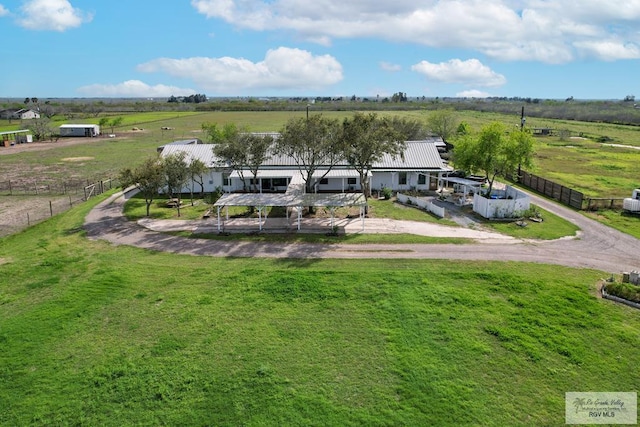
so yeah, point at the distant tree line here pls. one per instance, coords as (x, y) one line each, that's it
(191, 99)
(622, 111)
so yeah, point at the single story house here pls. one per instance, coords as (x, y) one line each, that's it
(19, 114)
(420, 168)
(81, 130)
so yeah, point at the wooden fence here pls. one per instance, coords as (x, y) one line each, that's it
(564, 195)
(43, 201)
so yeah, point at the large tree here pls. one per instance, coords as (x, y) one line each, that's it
(367, 139)
(41, 129)
(176, 174)
(258, 151)
(411, 129)
(148, 178)
(443, 123)
(215, 135)
(314, 143)
(493, 152)
(244, 151)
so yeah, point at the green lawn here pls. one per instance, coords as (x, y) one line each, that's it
(623, 221)
(551, 227)
(94, 334)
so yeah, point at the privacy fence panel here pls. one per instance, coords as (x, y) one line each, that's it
(564, 195)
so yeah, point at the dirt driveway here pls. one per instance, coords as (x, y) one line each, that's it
(598, 247)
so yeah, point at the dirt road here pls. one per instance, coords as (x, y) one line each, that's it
(597, 246)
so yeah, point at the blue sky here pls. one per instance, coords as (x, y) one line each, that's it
(587, 49)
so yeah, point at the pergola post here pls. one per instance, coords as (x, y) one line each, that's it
(219, 222)
(260, 208)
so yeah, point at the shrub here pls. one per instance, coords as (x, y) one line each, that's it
(387, 193)
(624, 290)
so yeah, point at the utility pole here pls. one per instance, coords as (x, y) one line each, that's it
(522, 121)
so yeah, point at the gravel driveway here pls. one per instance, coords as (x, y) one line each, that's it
(597, 246)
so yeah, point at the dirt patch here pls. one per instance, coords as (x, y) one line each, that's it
(41, 146)
(77, 159)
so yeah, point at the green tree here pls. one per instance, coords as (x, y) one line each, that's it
(463, 129)
(196, 170)
(244, 152)
(148, 178)
(314, 144)
(367, 138)
(115, 122)
(103, 122)
(176, 174)
(215, 135)
(41, 129)
(492, 152)
(411, 129)
(443, 123)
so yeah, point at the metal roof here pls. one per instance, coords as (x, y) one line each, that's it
(71, 126)
(14, 131)
(419, 155)
(203, 152)
(270, 199)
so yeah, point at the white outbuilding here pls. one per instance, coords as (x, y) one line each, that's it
(82, 130)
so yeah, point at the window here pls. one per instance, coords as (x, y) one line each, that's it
(351, 181)
(422, 179)
(402, 178)
(279, 182)
(226, 180)
(324, 181)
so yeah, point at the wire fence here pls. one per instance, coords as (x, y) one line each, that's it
(28, 202)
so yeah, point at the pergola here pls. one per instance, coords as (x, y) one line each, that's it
(296, 202)
(468, 185)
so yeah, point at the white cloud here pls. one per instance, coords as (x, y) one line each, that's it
(3, 11)
(474, 93)
(610, 50)
(56, 15)
(282, 68)
(386, 66)
(532, 30)
(133, 89)
(469, 72)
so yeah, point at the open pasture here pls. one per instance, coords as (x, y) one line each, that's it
(100, 335)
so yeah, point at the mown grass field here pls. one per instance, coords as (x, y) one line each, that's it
(99, 335)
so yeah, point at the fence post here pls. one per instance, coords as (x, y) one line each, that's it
(50, 208)
(36, 186)
(70, 202)
(10, 189)
(28, 220)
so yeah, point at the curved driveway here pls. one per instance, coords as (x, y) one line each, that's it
(597, 246)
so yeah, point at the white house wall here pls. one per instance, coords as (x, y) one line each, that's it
(380, 180)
